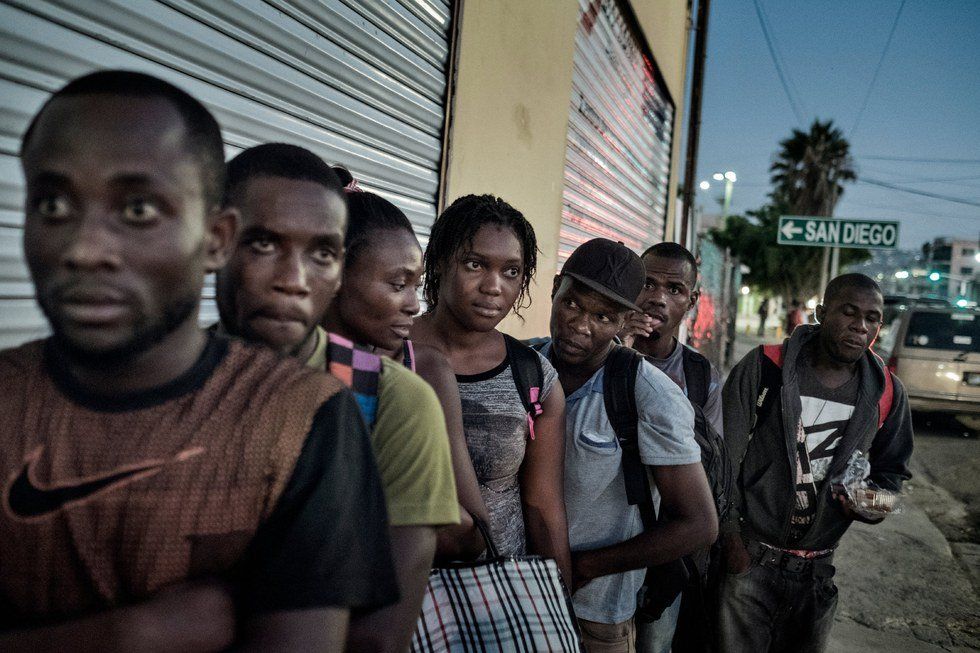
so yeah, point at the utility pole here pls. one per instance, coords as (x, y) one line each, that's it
(694, 120)
(823, 269)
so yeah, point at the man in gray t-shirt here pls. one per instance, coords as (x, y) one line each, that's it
(669, 292)
(591, 299)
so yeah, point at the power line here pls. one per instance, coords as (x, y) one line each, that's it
(902, 178)
(790, 79)
(913, 191)
(909, 212)
(912, 159)
(775, 61)
(874, 78)
(934, 180)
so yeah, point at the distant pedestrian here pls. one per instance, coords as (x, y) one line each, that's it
(794, 316)
(763, 316)
(837, 399)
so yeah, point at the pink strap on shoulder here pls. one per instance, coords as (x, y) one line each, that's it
(536, 408)
(410, 349)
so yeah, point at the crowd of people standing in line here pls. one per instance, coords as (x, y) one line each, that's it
(286, 478)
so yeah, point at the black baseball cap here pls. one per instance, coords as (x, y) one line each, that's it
(611, 269)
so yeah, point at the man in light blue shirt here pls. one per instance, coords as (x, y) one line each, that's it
(591, 300)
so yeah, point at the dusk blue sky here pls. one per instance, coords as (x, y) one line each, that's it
(925, 103)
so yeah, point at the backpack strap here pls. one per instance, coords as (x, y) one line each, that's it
(885, 403)
(525, 367)
(408, 354)
(663, 582)
(887, 396)
(619, 397)
(697, 375)
(773, 353)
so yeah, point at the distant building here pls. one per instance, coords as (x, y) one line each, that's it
(889, 267)
(958, 266)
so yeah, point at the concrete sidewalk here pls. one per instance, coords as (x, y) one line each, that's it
(901, 589)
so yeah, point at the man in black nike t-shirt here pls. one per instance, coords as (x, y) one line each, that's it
(138, 453)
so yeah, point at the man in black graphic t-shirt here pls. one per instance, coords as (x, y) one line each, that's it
(824, 415)
(794, 417)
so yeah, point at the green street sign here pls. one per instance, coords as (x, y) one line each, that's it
(808, 231)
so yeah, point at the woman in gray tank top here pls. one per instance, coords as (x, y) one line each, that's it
(479, 262)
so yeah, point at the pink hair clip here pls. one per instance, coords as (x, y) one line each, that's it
(352, 187)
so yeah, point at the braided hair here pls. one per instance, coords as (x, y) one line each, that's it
(453, 233)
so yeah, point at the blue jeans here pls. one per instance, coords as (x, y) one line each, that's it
(765, 609)
(656, 636)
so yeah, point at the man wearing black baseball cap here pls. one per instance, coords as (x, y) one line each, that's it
(592, 297)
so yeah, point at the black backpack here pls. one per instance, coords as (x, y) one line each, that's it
(620, 398)
(714, 456)
(664, 582)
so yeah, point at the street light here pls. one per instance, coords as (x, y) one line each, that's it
(902, 274)
(729, 178)
(729, 182)
(934, 276)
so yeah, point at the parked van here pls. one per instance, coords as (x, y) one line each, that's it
(935, 351)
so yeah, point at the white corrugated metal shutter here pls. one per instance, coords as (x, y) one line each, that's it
(617, 164)
(359, 82)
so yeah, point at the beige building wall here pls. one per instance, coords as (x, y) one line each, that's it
(509, 116)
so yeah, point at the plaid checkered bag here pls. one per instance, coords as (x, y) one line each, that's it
(502, 603)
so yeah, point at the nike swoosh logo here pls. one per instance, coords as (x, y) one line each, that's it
(25, 499)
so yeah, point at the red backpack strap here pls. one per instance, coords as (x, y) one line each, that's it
(888, 396)
(774, 353)
(885, 403)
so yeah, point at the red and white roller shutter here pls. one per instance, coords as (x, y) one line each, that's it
(617, 163)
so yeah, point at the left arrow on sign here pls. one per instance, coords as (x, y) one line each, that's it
(790, 229)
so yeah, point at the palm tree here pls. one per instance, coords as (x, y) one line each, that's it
(810, 168)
